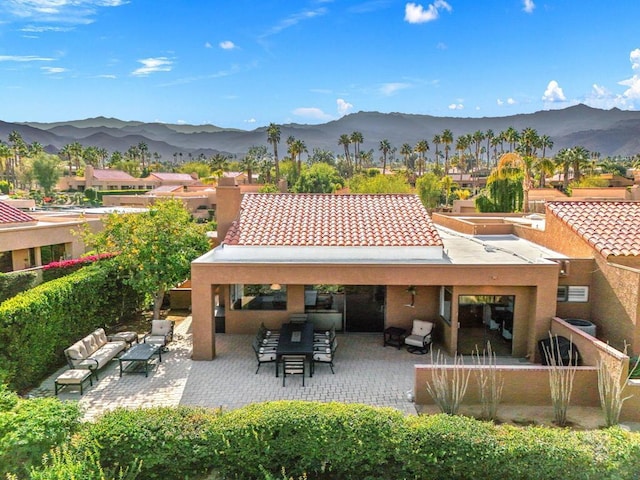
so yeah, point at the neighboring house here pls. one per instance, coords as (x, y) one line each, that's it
(30, 240)
(241, 178)
(365, 263)
(112, 179)
(162, 179)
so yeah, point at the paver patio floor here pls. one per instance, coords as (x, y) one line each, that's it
(365, 372)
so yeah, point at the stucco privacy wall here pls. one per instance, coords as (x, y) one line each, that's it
(529, 384)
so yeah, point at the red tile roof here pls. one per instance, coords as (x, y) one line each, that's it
(181, 177)
(332, 220)
(612, 228)
(111, 175)
(9, 214)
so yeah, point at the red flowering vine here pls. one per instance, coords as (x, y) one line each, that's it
(77, 261)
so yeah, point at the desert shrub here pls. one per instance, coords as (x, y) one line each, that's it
(31, 428)
(13, 283)
(169, 443)
(331, 439)
(37, 325)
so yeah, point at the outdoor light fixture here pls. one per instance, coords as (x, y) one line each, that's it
(275, 286)
(412, 290)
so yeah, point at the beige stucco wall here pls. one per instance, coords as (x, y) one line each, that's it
(534, 285)
(52, 232)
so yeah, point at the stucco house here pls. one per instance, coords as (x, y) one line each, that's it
(33, 239)
(365, 263)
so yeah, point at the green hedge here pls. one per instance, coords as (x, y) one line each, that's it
(13, 283)
(30, 428)
(37, 325)
(345, 441)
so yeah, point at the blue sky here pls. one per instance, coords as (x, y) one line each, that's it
(244, 64)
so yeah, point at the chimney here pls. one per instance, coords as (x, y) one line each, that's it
(282, 185)
(228, 199)
(88, 176)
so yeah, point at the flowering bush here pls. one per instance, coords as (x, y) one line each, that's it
(74, 262)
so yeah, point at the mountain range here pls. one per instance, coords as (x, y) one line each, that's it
(610, 132)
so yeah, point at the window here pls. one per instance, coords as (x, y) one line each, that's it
(258, 297)
(52, 253)
(573, 293)
(6, 262)
(446, 294)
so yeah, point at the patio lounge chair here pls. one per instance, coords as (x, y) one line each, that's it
(420, 339)
(161, 333)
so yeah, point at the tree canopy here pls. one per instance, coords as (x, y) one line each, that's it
(154, 249)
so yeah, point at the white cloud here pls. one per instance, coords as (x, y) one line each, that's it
(53, 70)
(553, 93)
(343, 106)
(634, 56)
(528, 6)
(391, 88)
(24, 58)
(499, 102)
(415, 13)
(153, 65)
(251, 120)
(208, 45)
(456, 106)
(312, 112)
(633, 92)
(227, 45)
(69, 12)
(511, 101)
(293, 20)
(508, 101)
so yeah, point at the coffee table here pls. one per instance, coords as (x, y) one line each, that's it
(139, 354)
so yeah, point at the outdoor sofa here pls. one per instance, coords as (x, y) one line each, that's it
(94, 351)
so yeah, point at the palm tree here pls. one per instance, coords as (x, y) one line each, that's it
(143, 150)
(297, 148)
(489, 136)
(437, 140)
(462, 143)
(511, 136)
(447, 140)
(357, 139)
(477, 139)
(421, 148)
(545, 168)
(273, 137)
(18, 148)
(406, 151)
(563, 161)
(579, 158)
(545, 142)
(345, 140)
(384, 147)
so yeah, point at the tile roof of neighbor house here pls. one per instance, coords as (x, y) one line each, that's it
(612, 228)
(112, 175)
(175, 177)
(9, 214)
(324, 220)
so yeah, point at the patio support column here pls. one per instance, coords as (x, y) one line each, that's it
(202, 314)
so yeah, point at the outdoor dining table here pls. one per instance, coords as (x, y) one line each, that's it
(296, 339)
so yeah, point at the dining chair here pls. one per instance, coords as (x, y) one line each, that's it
(293, 365)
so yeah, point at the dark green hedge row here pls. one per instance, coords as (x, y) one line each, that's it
(13, 283)
(37, 325)
(343, 441)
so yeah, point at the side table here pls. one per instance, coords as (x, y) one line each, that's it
(394, 336)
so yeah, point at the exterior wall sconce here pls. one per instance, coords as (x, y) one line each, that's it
(275, 286)
(412, 291)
